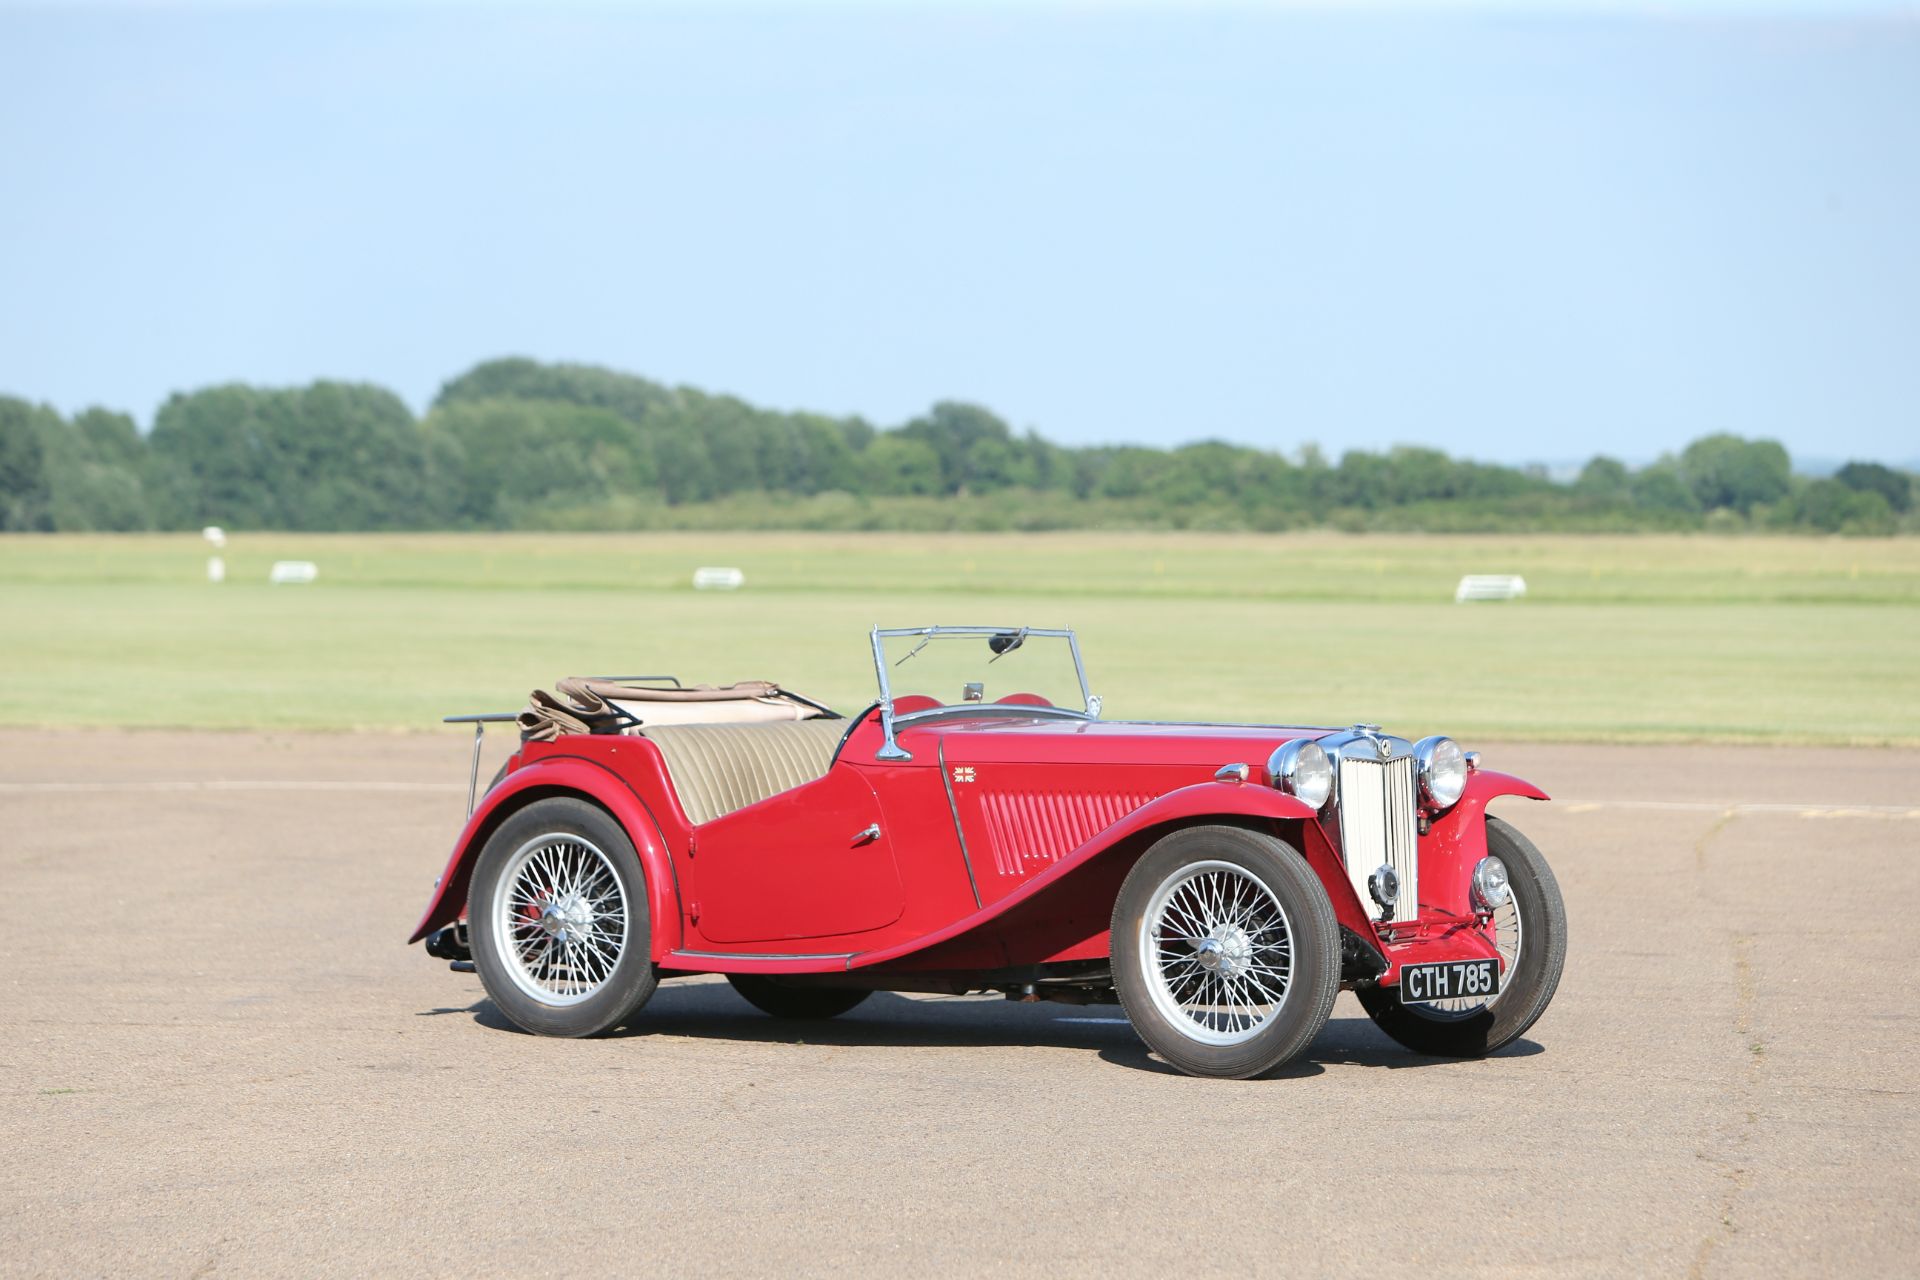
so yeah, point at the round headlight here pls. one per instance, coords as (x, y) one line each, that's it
(1443, 770)
(1490, 887)
(1302, 769)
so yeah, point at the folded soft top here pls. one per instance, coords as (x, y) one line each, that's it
(587, 705)
(574, 686)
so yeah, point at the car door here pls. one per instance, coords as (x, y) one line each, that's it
(812, 862)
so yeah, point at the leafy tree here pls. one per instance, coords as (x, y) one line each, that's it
(24, 491)
(1362, 480)
(79, 475)
(1132, 471)
(998, 464)
(1423, 475)
(515, 443)
(221, 457)
(1604, 477)
(1660, 488)
(496, 460)
(971, 444)
(357, 454)
(1274, 492)
(111, 437)
(96, 468)
(1837, 508)
(519, 378)
(332, 455)
(1871, 477)
(1049, 465)
(898, 464)
(827, 457)
(1209, 474)
(1727, 471)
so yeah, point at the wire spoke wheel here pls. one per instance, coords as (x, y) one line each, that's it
(560, 918)
(1217, 950)
(1504, 929)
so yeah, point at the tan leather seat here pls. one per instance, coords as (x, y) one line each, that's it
(717, 768)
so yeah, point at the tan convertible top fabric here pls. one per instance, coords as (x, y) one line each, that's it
(546, 718)
(575, 686)
(587, 706)
(751, 711)
(717, 768)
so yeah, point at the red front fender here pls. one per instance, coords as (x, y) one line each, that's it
(1459, 840)
(561, 775)
(1201, 800)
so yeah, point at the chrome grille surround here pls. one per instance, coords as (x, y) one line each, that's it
(1376, 805)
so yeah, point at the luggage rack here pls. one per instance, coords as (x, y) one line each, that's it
(480, 721)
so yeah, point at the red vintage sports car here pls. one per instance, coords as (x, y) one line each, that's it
(980, 828)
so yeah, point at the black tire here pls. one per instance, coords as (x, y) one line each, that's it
(774, 997)
(632, 979)
(1527, 990)
(1313, 981)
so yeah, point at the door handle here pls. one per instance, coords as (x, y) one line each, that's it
(867, 836)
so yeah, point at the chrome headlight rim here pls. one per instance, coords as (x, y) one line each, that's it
(1442, 767)
(1303, 769)
(1492, 886)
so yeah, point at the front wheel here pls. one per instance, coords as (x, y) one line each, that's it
(1529, 932)
(557, 917)
(1226, 954)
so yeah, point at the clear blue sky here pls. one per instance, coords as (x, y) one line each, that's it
(1512, 232)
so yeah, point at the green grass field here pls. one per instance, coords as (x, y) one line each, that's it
(1638, 638)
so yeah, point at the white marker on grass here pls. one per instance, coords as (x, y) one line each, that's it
(216, 538)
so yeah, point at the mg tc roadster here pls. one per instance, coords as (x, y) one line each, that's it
(980, 828)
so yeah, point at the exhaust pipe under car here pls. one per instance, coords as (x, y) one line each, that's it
(451, 944)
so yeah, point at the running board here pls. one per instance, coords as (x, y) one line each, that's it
(756, 962)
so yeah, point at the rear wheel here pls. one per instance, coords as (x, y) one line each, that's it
(1226, 954)
(1530, 933)
(771, 996)
(557, 915)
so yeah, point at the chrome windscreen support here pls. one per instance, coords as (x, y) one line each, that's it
(889, 750)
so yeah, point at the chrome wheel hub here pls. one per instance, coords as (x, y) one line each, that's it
(568, 919)
(1227, 951)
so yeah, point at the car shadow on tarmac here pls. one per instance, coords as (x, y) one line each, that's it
(711, 1010)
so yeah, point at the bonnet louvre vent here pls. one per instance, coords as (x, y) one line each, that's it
(1031, 830)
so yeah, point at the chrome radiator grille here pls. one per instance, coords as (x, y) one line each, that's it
(1378, 824)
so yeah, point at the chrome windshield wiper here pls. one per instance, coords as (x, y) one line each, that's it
(925, 640)
(1004, 644)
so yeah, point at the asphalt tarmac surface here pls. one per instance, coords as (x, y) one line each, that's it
(217, 1057)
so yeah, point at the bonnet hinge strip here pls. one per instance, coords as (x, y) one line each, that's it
(953, 807)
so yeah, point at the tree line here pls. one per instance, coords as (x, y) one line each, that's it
(516, 444)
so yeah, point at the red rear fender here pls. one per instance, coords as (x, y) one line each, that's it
(561, 775)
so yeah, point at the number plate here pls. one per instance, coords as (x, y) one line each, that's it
(1454, 980)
